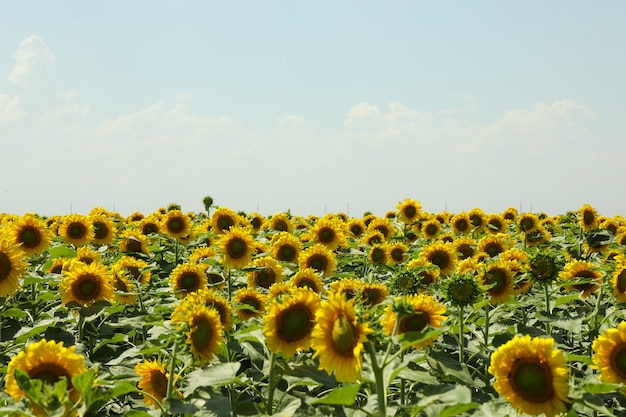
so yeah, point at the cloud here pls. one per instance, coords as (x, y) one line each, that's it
(9, 108)
(33, 60)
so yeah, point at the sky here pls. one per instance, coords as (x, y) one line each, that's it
(312, 107)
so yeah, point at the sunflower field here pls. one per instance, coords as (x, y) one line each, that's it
(226, 313)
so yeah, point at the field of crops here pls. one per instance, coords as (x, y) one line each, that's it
(225, 313)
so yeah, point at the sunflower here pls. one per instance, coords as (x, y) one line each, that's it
(373, 293)
(87, 255)
(618, 282)
(440, 254)
(609, 354)
(347, 287)
(356, 227)
(286, 247)
(153, 380)
(204, 297)
(583, 271)
(86, 284)
(32, 234)
(249, 303)
(256, 221)
(527, 222)
(266, 272)
(397, 252)
(133, 241)
(431, 228)
(188, 277)
(373, 238)
(509, 214)
(531, 375)
(202, 253)
(318, 257)
(308, 278)
(176, 224)
(76, 229)
(465, 247)
(538, 236)
(462, 289)
(104, 229)
(56, 266)
(205, 332)
(289, 321)
(338, 338)
(136, 269)
(12, 266)
(382, 225)
(461, 223)
(425, 273)
(237, 247)
(612, 225)
(409, 211)
(495, 223)
(497, 275)
(47, 361)
(494, 244)
(417, 312)
(378, 254)
(135, 217)
(279, 289)
(223, 219)
(477, 219)
(328, 231)
(588, 218)
(280, 222)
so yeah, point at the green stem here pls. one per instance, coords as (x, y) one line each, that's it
(486, 334)
(598, 304)
(461, 335)
(271, 385)
(379, 379)
(170, 381)
(548, 308)
(81, 327)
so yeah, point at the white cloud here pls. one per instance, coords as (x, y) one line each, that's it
(32, 62)
(9, 108)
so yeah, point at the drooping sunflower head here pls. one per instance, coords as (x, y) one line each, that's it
(425, 272)
(531, 375)
(237, 247)
(76, 229)
(249, 303)
(153, 379)
(609, 354)
(318, 257)
(588, 218)
(12, 265)
(286, 247)
(125, 286)
(581, 276)
(202, 254)
(266, 271)
(413, 313)
(104, 229)
(188, 277)
(462, 289)
(308, 278)
(441, 254)
(499, 279)
(289, 321)
(47, 361)
(338, 338)
(32, 234)
(409, 210)
(85, 284)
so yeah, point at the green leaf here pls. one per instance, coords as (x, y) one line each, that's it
(457, 409)
(83, 383)
(18, 313)
(26, 332)
(344, 395)
(212, 377)
(62, 252)
(601, 388)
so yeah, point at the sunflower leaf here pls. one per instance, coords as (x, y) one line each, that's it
(84, 382)
(344, 395)
(212, 377)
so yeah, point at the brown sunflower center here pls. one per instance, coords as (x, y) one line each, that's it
(76, 230)
(377, 255)
(382, 229)
(176, 225)
(87, 287)
(498, 279)
(431, 230)
(396, 254)
(224, 222)
(189, 282)
(356, 229)
(49, 373)
(343, 335)
(214, 278)
(588, 218)
(149, 228)
(308, 283)
(415, 322)
(265, 277)
(493, 249)
(409, 212)
(5, 266)
(476, 220)
(461, 225)
(286, 253)
(236, 248)
(318, 262)
(532, 381)
(30, 237)
(326, 235)
(120, 285)
(426, 278)
(201, 334)
(100, 230)
(620, 281)
(465, 250)
(618, 360)
(440, 258)
(585, 274)
(526, 224)
(133, 245)
(295, 323)
(281, 225)
(133, 271)
(158, 381)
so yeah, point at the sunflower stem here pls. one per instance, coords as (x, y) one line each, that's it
(379, 376)
(81, 327)
(269, 406)
(548, 309)
(461, 340)
(170, 380)
(486, 334)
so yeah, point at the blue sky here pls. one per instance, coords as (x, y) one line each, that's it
(312, 107)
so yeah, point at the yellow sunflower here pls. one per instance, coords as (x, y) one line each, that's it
(202, 253)
(223, 219)
(531, 375)
(527, 222)
(318, 257)
(495, 223)
(609, 354)
(205, 332)
(465, 247)
(47, 361)
(86, 284)
(585, 271)
(431, 228)
(588, 218)
(153, 380)
(267, 272)
(409, 211)
(286, 247)
(124, 284)
(87, 255)
(382, 225)
(442, 255)
(538, 236)
(425, 272)
(338, 338)
(12, 266)
(256, 221)
(249, 303)
(373, 293)
(76, 229)
(397, 252)
(104, 229)
(280, 222)
(150, 225)
(176, 224)
(188, 277)
(308, 278)
(136, 269)
(372, 238)
(494, 244)
(349, 288)
(417, 312)
(618, 283)
(497, 275)
(461, 223)
(204, 297)
(328, 231)
(378, 254)
(510, 214)
(356, 227)
(289, 321)
(237, 247)
(32, 234)
(133, 241)
(477, 219)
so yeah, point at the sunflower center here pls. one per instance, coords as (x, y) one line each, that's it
(318, 262)
(133, 271)
(87, 287)
(286, 253)
(120, 285)
(498, 278)
(294, 324)
(224, 222)
(265, 277)
(382, 229)
(201, 334)
(527, 224)
(188, 282)
(308, 283)
(5, 266)
(493, 249)
(426, 278)
(441, 259)
(431, 230)
(620, 282)
(281, 226)
(377, 255)
(416, 322)
(532, 381)
(356, 230)
(588, 218)
(343, 335)
(158, 381)
(618, 360)
(76, 230)
(584, 274)
(461, 225)
(214, 278)
(149, 228)
(465, 250)
(133, 245)
(48, 373)
(236, 248)
(476, 220)
(326, 235)
(396, 254)
(100, 230)
(410, 212)
(176, 225)
(30, 237)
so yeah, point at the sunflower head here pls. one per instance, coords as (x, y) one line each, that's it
(104, 229)
(405, 281)
(318, 257)
(204, 336)
(409, 210)
(237, 247)
(609, 354)
(12, 266)
(76, 229)
(581, 276)
(413, 313)
(588, 218)
(329, 231)
(462, 289)
(285, 247)
(249, 303)
(85, 284)
(265, 272)
(153, 379)
(32, 234)
(442, 255)
(461, 223)
(498, 278)
(188, 277)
